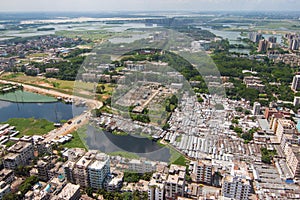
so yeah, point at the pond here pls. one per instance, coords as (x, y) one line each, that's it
(54, 111)
(107, 142)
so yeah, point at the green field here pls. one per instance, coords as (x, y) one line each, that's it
(76, 142)
(31, 126)
(26, 97)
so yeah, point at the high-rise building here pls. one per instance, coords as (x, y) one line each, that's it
(19, 154)
(202, 171)
(237, 184)
(175, 183)
(293, 159)
(294, 44)
(255, 37)
(156, 186)
(296, 83)
(272, 39)
(98, 171)
(256, 108)
(263, 46)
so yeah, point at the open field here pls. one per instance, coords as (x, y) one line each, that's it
(31, 126)
(76, 142)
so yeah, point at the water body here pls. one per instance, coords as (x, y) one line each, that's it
(108, 142)
(54, 112)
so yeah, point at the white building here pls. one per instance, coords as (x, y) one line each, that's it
(237, 184)
(175, 183)
(256, 108)
(156, 186)
(296, 83)
(98, 170)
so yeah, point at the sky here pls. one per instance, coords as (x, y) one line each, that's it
(147, 5)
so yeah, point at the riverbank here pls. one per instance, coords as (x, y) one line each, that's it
(20, 96)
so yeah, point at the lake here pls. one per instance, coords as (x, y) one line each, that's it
(53, 112)
(107, 142)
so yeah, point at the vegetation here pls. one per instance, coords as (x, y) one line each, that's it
(23, 188)
(76, 142)
(180, 161)
(267, 155)
(133, 177)
(31, 126)
(135, 195)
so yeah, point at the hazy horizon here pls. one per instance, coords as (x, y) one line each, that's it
(147, 5)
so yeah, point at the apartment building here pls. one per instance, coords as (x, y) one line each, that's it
(175, 183)
(284, 126)
(141, 166)
(156, 186)
(19, 154)
(292, 153)
(236, 185)
(201, 171)
(98, 170)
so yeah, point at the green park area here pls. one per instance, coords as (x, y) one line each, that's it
(26, 97)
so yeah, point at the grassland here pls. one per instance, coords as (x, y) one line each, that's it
(76, 142)
(31, 126)
(124, 154)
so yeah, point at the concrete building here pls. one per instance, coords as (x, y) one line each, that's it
(98, 170)
(292, 153)
(70, 192)
(175, 183)
(80, 173)
(284, 126)
(156, 186)
(141, 166)
(19, 154)
(202, 171)
(113, 182)
(237, 184)
(7, 176)
(255, 37)
(4, 189)
(272, 39)
(256, 108)
(43, 168)
(296, 83)
(263, 46)
(235, 188)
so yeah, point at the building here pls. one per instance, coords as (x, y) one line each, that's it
(113, 182)
(235, 188)
(263, 46)
(284, 126)
(4, 189)
(7, 176)
(256, 108)
(156, 186)
(81, 172)
(292, 153)
(141, 166)
(272, 39)
(19, 154)
(175, 183)
(201, 171)
(236, 185)
(70, 192)
(296, 83)
(98, 170)
(255, 37)
(43, 168)
(294, 44)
